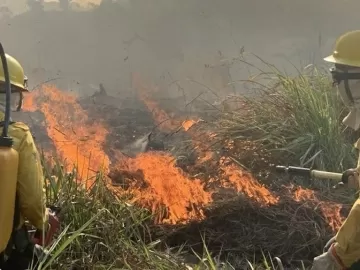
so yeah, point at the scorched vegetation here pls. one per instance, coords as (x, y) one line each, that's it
(218, 205)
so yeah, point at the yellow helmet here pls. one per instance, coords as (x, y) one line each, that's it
(18, 79)
(347, 50)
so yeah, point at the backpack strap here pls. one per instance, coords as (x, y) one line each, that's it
(2, 123)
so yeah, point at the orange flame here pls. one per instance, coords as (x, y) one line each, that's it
(159, 184)
(187, 124)
(166, 185)
(330, 210)
(236, 178)
(161, 118)
(74, 136)
(302, 194)
(77, 141)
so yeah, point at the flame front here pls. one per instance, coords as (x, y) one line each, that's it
(230, 174)
(166, 185)
(79, 141)
(330, 210)
(162, 119)
(154, 179)
(236, 178)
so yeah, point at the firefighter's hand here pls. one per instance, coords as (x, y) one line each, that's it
(327, 261)
(351, 178)
(44, 238)
(54, 222)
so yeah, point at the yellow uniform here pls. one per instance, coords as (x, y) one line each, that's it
(347, 244)
(345, 252)
(29, 184)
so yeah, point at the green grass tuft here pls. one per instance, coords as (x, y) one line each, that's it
(296, 118)
(99, 229)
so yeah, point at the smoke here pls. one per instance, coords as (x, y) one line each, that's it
(168, 40)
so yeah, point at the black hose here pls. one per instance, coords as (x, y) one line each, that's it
(8, 92)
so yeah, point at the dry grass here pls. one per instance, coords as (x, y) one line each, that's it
(104, 231)
(297, 118)
(239, 229)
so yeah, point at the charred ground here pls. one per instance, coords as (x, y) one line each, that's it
(200, 187)
(183, 56)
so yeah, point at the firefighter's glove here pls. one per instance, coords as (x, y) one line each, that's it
(44, 238)
(328, 261)
(350, 178)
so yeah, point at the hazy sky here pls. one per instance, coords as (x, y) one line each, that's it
(167, 40)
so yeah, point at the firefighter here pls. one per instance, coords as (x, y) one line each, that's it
(17, 253)
(344, 253)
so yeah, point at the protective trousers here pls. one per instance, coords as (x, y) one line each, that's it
(23, 254)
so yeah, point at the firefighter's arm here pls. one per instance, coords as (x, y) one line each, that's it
(357, 146)
(347, 246)
(351, 177)
(30, 183)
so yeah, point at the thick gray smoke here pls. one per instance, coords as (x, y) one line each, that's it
(169, 40)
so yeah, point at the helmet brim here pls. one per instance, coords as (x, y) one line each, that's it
(15, 88)
(346, 62)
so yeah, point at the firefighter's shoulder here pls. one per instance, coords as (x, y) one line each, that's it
(19, 132)
(20, 126)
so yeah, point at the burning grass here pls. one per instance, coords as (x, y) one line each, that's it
(101, 230)
(214, 200)
(241, 228)
(77, 143)
(165, 187)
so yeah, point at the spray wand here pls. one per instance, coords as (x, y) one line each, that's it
(340, 178)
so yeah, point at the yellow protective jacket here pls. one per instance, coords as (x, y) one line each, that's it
(29, 183)
(347, 244)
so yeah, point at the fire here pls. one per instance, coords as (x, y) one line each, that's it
(161, 118)
(154, 180)
(302, 194)
(167, 186)
(77, 141)
(202, 142)
(332, 214)
(29, 102)
(232, 175)
(236, 178)
(330, 210)
(187, 124)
